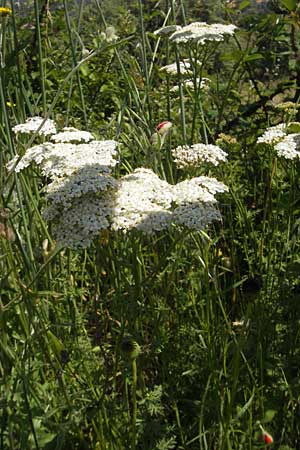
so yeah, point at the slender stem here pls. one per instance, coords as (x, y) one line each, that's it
(40, 54)
(144, 57)
(134, 405)
(181, 97)
(75, 61)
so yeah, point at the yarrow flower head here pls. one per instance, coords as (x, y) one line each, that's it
(63, 159)
(272, 135)
(147, 203)
(44, 127)
(201, 32)
(70, 134)
(171, 69)
(194, 155)
(289, 147)
(199, 83)
(84, 198)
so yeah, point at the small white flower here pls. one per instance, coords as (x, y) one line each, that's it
(62, 159)
(171, 69)
(197, 154)
(200, 32)
(110, 34)
(70, 134)
(77, 226)
(190, 84)
(272, 135)
(33, 124)
(196, 216)
(289, 147)
(198, 189)
(145, 202)
(88, 180)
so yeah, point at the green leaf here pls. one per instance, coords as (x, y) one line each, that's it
(269, 415)
(244, 5)
(289, 4)
(55, 344)
(246, 406)
(253, 57)
(294, 127)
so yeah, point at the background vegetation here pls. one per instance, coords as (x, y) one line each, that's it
(215, 314)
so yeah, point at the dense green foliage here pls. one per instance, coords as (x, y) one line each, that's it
(216, 313)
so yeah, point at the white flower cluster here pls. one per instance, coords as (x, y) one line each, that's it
(79, 194)
(70, 134)
(84, 198)
(79, 225)
(194, 155)
(171, 69)
(36, 124)
(109, 35)
(289, 147)
(145, 202)
(203, 84)
(140, 201)
(273, 135)
(63, 159)
(201, 32)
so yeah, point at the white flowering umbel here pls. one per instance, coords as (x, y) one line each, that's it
(289, 147)
(147, 203)
(83, 197)
(70, 134)
(172, 69)
(63, 159)
(142, 201)
(80, 224)
(195, 155)
(36, 124)
(272, 135)
(201, 32)
(79, 195)
(199, 83)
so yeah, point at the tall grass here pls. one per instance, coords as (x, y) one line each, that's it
(181, 340)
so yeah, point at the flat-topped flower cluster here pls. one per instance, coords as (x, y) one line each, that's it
(83, 197)
(286, 143)
(193, 155)
(198, 32)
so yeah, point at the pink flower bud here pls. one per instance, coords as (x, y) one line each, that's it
(164, 127)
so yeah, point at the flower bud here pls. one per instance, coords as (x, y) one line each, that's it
(268, 439)
(164, 127)
(130, 348)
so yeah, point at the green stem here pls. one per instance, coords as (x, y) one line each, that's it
(181, 97)
(40, 55)
(75, 61)
(134, 405)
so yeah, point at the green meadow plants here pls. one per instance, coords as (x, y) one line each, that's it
(149, 225)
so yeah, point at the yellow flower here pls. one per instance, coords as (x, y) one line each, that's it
(5, 12)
